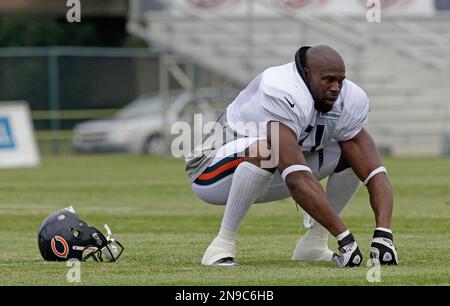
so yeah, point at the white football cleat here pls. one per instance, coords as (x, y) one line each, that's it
(221, 252)
(313, 246)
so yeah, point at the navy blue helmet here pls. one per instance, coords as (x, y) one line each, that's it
(63, 236)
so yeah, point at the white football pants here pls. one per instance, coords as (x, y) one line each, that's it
(213, 185)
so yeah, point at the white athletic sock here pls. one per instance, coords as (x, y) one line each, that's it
(313, 246)
(341, 188)
(227, 235)
(248, 182)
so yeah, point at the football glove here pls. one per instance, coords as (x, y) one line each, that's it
(382, 249)
(349, 253)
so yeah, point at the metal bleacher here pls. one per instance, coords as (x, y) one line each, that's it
(402, 63)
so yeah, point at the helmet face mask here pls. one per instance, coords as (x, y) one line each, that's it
(63, 236)
(110, 252)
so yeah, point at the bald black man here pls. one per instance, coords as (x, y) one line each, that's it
(293, 126)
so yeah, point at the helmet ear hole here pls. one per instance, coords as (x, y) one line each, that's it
(76, 233)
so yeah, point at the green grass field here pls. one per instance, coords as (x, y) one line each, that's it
(165, 228)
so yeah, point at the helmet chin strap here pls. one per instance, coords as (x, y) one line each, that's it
(110, 236)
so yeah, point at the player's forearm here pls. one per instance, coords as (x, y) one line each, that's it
(381, 200)
(309, 194)
(361, 153)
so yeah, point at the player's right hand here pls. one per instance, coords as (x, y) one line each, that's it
(349, 253)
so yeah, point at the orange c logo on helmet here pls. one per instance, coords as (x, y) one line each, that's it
(64, 253)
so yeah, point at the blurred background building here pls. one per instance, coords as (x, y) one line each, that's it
(70, 72)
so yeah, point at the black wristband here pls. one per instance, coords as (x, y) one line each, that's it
(346, 240)
(382, 234)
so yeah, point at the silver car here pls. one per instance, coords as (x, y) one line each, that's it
(143, 126)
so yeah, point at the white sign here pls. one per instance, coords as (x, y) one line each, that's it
(17, 142)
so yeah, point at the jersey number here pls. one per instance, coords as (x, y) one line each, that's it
(319, 134)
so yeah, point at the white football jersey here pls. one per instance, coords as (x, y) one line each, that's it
(280, 94)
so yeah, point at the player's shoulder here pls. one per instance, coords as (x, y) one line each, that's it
(281, 82)
(278, 81)
(354, 96)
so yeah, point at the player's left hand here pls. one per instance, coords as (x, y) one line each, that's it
(349, 253)
(382, 249)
